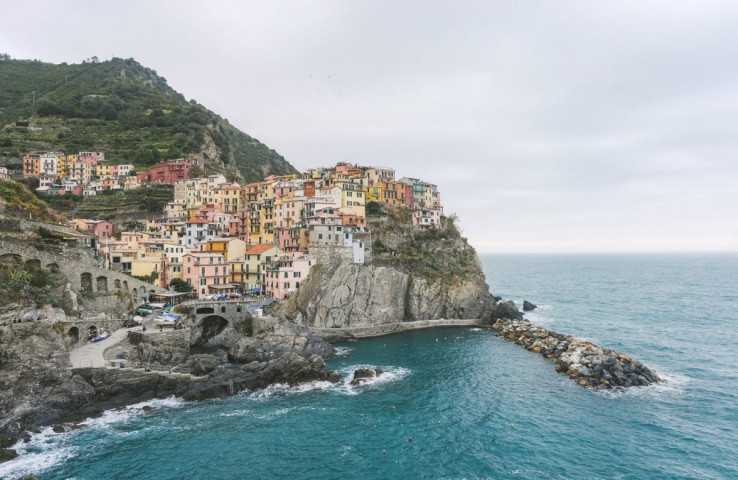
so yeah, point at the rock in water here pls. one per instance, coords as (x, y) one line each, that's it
(506, 309)
(527, 306)
(584, 362)
(362, 375)
(7, 454)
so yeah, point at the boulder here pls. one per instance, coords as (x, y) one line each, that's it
(506, 309)
(363, 375)
(527, 306)
(7, 454)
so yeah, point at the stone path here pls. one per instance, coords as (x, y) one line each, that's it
(390, 328)
(91, 354)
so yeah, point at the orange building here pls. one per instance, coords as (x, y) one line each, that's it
(31, 165)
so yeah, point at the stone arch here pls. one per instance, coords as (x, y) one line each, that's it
(73, 335)
(86, 282)
(211, 326)
(116, 283)
(102, 284)
(33, 263)
(92, 331)
(10, 258)
(54, 267)
(125, 285)
(204, 310)
(135, 295)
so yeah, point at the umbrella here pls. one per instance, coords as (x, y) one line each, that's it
(138, 318)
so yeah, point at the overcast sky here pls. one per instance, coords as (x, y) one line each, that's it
(565, 126)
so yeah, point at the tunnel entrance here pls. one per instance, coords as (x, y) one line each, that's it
(211, 326)
(73, 335)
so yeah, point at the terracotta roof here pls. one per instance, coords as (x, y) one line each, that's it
(261, 248)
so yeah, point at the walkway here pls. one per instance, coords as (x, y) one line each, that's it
(390, 328)
(91, 354)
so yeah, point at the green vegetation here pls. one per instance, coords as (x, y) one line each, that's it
(180, 285)
(436, 253)
(123, 109)
(114, 204)
(28, 280)
(18, 200)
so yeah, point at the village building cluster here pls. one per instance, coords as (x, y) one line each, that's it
(223, 238)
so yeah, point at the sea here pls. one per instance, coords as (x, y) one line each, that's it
(464, 403)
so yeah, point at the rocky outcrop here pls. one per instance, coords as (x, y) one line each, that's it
(528, 306)
(363, 375)
(586, 363)
(39, 387)
(353, 295)
(506, 309)
(277, 340)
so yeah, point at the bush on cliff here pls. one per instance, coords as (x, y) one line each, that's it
(29, 281)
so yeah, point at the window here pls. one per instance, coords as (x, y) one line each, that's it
(286, 274)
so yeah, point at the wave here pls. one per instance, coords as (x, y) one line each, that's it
(47, 449)
(673, 384)
(112, 417)
(343, 351)
(343, 386)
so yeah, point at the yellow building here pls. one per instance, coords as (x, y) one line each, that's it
(374, 194)
(102, 170)
(255, 262)
(63, 164)
(228, 247)
(144, 267)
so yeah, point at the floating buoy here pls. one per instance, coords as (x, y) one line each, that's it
(394, 408)
(384, 451)
(410, 438)
(512, 425)
(439, 422)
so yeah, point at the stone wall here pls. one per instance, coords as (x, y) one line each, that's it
(80, 269)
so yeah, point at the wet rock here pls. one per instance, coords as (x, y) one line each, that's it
(589, 365)
(7, 454)
(362, 375)
(148, 408)
(25, 436)
(527, 306)
(506, 309)
(58, 429)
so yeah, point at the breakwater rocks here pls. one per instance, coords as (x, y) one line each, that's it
(586, 363)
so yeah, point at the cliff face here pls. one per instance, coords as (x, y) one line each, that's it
(38, 385)
(411, 275)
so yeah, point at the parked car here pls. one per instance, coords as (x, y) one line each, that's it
(143, 310)
(129, 323)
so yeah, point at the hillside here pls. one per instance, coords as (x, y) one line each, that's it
(123, 109)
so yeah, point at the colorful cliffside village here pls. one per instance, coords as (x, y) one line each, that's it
(223, 238)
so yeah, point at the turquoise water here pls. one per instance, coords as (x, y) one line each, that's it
(475, 405)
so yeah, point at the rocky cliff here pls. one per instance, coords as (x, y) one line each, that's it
(409, 275)
(39, 387)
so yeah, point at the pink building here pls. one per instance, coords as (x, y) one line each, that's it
(88, 158)
(377, 175)
(206, 272)
(168, 171)
(102, 229)
(428, 218)
(287, 273)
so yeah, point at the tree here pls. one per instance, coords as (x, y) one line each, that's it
(180, 285)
